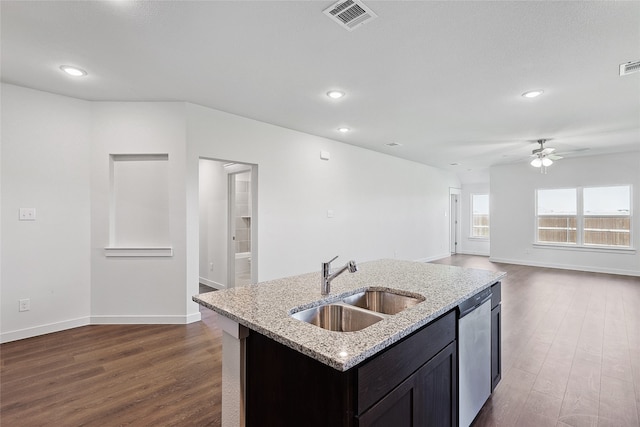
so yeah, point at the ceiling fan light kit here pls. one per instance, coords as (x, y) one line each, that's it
(543, 157)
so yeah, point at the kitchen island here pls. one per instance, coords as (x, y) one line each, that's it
(262, 343)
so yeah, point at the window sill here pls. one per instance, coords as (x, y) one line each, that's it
(478, 239)
(603, 249)
(139, 252)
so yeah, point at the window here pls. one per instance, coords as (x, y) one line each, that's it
(480, 215)
(607, 216)
(557, 216)
(593, 216)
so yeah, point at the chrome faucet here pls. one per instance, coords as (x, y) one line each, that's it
(327, 277)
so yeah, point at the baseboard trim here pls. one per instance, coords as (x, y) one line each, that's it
(589, 269)
(49, 328)
(145, 320)
(433, 258)
(212, 284)
(478, 253)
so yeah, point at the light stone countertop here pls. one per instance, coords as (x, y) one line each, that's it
(266, 307)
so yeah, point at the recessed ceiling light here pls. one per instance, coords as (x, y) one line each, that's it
(73, 71)
(454, 164)
(343, 130)
(533, 93)
(335, 94)
(393, 144)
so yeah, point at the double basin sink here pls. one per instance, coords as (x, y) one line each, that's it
(359, 310)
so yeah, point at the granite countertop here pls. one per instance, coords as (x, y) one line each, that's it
(266, 307)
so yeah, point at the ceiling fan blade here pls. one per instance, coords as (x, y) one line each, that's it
(554, 157)
(570, 152)
(548, 150)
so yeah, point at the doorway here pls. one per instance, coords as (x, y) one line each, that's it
(239, 227)
(454, 219)
(228, 226)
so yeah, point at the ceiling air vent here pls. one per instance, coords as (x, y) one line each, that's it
(350, 14)
(629, 68)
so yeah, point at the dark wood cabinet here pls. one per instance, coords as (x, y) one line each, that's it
(496, 335)
(413, 382)
(287, 388)
(397, 408)
(427, 398)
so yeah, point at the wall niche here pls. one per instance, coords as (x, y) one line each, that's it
(139, 205)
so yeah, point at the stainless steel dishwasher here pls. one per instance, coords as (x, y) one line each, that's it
(474, 355)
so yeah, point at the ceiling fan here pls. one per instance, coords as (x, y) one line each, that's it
(543, 157)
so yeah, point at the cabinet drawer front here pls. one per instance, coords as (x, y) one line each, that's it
(380, 375)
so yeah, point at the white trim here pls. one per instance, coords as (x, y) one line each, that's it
(142, 157)
(479, 253)
(233, 328)
(433, 258)
(478, 239)
(233, 372)
(139, 252)
(145, 320)
(211, 283)
(50, 328)
(584, 248)
(43, 329)
(588, 269)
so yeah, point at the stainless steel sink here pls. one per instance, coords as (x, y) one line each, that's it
(337, 317)
(383, 301)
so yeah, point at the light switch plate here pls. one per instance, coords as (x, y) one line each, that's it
(27, 214)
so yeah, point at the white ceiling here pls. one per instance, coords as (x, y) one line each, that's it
(443, 78)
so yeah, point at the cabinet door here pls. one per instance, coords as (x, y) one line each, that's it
(427, 398)
(496, 346)
(396, 409)
(437, 390)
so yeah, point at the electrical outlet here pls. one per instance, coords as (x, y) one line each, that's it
(27, 214)
(25, 305)
(210, 266)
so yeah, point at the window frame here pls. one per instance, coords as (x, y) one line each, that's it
(580, 223)
(471, 227)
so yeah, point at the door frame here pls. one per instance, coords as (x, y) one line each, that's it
(454, 219)
(233, 169)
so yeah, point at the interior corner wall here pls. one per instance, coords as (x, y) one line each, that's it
(512, 212)
(139, 289)
(45, 153)
(469, 245)
(383, 206)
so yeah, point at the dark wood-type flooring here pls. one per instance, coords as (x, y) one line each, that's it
(571, 357)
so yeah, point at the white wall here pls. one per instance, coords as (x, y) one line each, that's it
(213, 223)
(140, 289)
(513, 217)
(384, 207)
(467, 244)
(45, 152)
(56, 158)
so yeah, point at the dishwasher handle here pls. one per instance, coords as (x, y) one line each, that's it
(474, 302)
